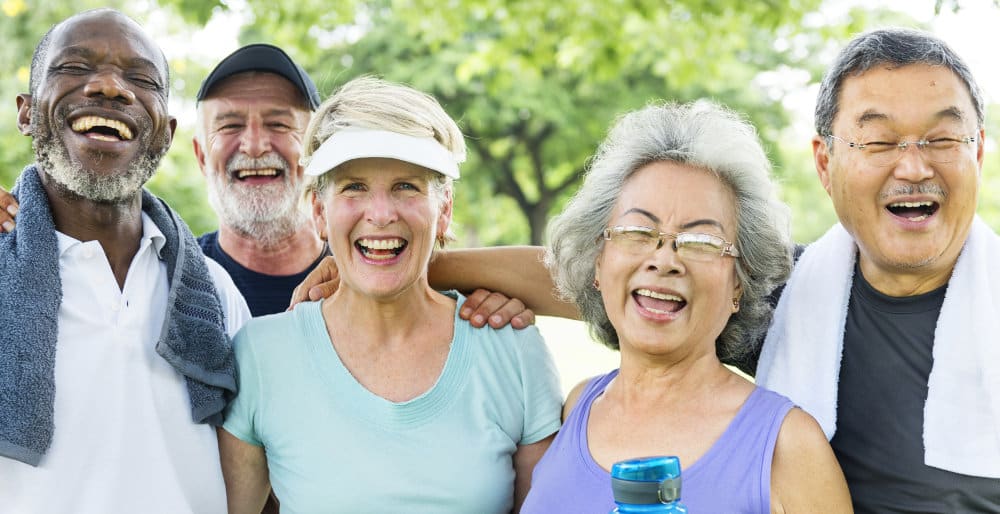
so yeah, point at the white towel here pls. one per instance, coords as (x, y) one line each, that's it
(802, 352)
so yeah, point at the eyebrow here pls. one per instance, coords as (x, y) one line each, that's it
(685, 226)
(951, 112)
(239, 115)
(86, 53)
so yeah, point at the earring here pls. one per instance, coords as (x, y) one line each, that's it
(736, 304)
(597, 284)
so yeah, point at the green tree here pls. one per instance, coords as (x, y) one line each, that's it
(536, 84)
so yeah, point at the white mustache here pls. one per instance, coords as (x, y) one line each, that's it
(242, 161)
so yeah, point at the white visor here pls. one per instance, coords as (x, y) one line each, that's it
(359, 143)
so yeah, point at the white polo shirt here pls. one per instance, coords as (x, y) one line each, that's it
(124, 441)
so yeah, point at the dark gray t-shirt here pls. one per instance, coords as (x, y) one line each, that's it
(887, 359)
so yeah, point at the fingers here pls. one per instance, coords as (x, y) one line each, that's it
(320, 283)
(324, 290)
(482, 307)
(8, 209)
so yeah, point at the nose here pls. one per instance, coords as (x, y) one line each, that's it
(665, 259)
(255, 141)
(108, 84)
(381, 210)
(912, 165)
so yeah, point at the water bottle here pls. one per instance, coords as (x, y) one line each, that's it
(649, 485)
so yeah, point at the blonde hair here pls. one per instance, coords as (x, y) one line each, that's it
(372, 103)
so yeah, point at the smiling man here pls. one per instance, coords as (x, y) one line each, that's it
(252, 113)
(114, 359)
(887, 329)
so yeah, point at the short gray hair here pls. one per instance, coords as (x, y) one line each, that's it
(382, 105)
(704, 135)
(897, 47)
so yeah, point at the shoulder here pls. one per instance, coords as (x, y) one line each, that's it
(207, 241)
(233, 304)
(805, 475)
(574, 396)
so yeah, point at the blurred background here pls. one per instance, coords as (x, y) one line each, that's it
(534, 85)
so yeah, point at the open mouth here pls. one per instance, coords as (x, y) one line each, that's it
(380, 249)
(102, 129)
(658, 303)
(257, 173)
(913, 211)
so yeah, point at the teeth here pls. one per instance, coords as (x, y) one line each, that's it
(268, 172)
(88, 122)
(381, 244)
(911, 205)
(659, 296)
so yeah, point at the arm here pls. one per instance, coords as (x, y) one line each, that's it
(8, 209)
(515, 271)
(244, 469)
(805, 475)
(525, 459)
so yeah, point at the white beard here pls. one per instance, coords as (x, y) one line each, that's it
(267, 213)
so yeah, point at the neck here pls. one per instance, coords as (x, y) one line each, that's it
(401, 320)
(902, 283)
(116, 226)
(648, 380)
(286, 255)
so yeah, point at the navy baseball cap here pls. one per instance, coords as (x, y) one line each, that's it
(266, 58)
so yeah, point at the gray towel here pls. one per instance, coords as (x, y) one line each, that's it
(193, 339)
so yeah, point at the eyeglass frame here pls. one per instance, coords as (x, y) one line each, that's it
(728, 247)
(921, 144)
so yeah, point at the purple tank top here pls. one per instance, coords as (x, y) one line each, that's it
(733, 476)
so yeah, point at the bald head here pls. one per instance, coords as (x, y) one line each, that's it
(40, 55)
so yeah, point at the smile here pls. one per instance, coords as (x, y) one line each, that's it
(658, 303)
(381, 249)
(913, 211)
(103, 129)
(267, 172)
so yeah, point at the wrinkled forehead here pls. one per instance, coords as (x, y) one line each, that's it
(108, 35)
(913, 96)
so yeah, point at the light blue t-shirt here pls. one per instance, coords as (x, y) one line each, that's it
(333, 446)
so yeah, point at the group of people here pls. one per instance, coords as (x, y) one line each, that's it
(873, 393)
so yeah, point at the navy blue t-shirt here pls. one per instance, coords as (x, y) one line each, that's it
(265, 294)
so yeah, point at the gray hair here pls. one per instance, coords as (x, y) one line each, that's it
(897, 47)
(382, 105)
(704, 135)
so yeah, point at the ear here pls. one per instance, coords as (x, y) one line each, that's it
(981, 148)
(737, 295)
(24, 114)
(199, 153)
(173, 127)
(444, 217)
(318, 214)
(821, 157)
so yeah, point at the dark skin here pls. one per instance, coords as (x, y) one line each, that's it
(102, 64)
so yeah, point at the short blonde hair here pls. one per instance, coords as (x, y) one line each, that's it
(372, 103)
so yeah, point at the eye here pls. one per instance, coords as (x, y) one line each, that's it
(353, 187)
(230, 128)
(72, 68)
(943, 143)
(145, 81)
(699, 243)
(407, 186)
(279, 126)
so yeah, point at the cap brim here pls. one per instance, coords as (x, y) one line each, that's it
(350, 144)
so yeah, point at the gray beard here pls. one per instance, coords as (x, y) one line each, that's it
(53, 157)
(268, 214)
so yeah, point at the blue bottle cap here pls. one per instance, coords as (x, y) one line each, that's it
(646, 480)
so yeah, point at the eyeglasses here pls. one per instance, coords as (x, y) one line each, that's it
(941, 150)
(688, 245)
